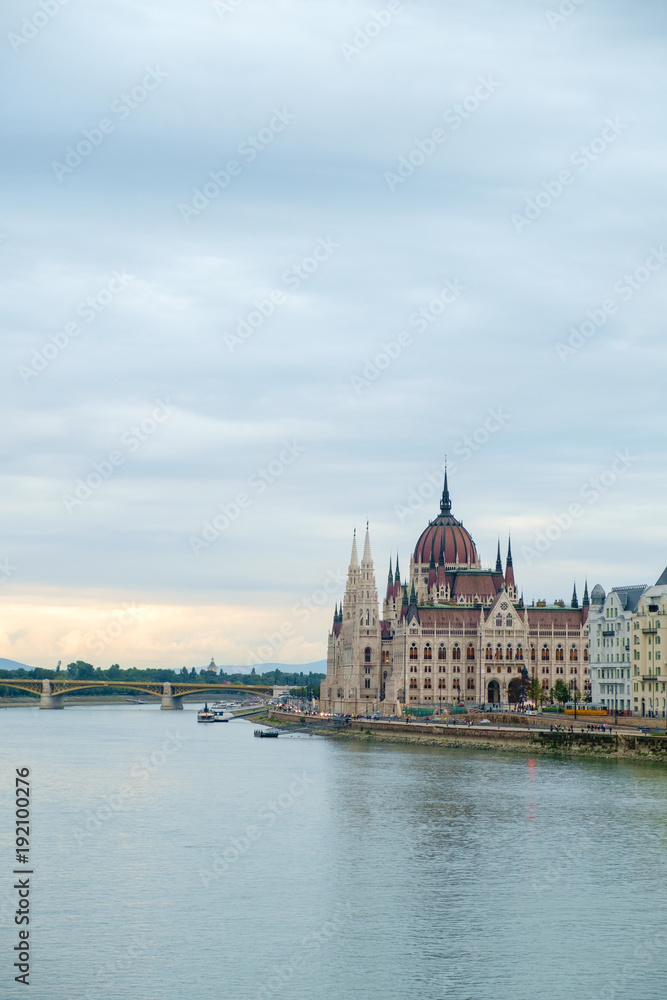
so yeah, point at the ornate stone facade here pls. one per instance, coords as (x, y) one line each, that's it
(454, 632)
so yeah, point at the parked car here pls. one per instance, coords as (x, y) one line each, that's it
(484, 722)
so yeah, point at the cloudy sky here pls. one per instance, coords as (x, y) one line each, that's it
(265, 264)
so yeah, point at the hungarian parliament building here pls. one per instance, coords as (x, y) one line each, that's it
(452, 632)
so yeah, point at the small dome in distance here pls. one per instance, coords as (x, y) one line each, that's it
(598, 595)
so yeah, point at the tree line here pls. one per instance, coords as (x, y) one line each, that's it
(82, 671)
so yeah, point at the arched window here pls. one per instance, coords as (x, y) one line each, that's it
(508, 653)
(532, 653)
(367, 654)
(545, 653)
(508, 621)
(456, 652)
(339, 693)
(470, 684)
(499, 652)
(499, 621)
(442, 652)
(585, 656)
(427, 682)
(574, 654)
(414, 655)
(470, 652)
(559, 653)
(368, 617)
(519, 652)
(442, 683)
(489, 652)
(428, 652)
(367, 682)
(413, 683)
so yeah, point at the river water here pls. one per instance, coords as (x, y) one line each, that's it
(175, 861)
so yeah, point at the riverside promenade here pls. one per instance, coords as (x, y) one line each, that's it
(523, 732)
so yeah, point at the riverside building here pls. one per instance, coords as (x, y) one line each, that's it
(610, 631)
(649, 671)
(453, 631)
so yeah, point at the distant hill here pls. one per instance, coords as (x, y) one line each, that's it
(318, 667)
(13, 665)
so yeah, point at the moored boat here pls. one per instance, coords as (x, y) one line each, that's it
(266, 733)
(205, 715)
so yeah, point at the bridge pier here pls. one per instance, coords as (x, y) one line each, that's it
(170, 702)
(48, 699)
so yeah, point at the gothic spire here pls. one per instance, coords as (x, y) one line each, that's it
(405, 595)
(367, 558)
(509, 571)
(354, 558)
(585, 601)
(390, 578)
(445, 502)
(499, 562)
(575, 602)
(398, 572)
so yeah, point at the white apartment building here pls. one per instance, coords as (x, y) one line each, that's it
(610, 634)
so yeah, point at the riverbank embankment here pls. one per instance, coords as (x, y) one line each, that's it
(533, 738)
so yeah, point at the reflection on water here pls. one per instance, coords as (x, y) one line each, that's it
(174, 860)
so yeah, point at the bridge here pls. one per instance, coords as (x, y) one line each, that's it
(52, 692)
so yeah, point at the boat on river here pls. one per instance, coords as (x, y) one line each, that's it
(221, 713)
(205, 714)
(264, 734)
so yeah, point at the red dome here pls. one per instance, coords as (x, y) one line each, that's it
(448, 538)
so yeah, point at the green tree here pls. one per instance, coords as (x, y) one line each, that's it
(535, 690)
(560, 692)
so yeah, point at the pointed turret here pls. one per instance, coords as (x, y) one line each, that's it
(405, 595)
(499, 562)
(354, 558)
(413, 609)
(509, 569)
(366, 558)
(585, 601)
(575, 602)
(445, 501)
(390, 584)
